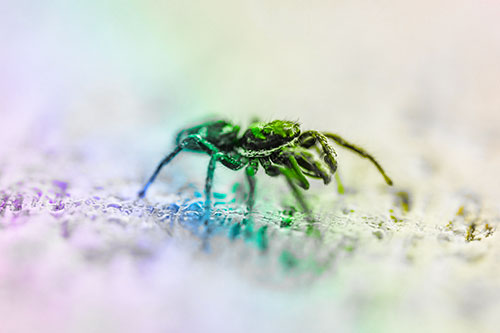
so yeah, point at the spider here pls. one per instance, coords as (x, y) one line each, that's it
(279, 146)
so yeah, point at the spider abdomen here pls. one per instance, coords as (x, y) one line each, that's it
(220, 133)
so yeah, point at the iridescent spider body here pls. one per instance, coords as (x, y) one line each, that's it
(280, 147)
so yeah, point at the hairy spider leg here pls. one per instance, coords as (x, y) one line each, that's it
(310, 164)
(182, 145)
(330, 154)
(203, 144)
(209, 180)
(340, 141)
(251, 171)
(299, 175)
(270, 168)
(229, 162)
(309, 139)
(200, 142)
(291, 177)
(340, 186)
(216, 155)
(164, 162)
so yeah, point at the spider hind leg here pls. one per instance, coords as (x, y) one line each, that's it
(164, 162)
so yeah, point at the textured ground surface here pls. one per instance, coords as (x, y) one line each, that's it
(81, 253)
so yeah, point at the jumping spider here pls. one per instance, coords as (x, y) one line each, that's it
(279, 146)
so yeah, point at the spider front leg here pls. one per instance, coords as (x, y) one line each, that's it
(310, 138)
(292, 177)
(311, 166)
(340, 141)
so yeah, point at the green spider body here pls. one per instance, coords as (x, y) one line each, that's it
(280, 147)
(220, 133)
(262, 138)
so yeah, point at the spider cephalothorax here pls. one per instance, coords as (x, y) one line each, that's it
(278, 146)
(262, 138)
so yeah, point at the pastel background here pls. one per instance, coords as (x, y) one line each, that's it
(92, 93)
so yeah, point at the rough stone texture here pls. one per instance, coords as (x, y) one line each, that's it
(81, 253)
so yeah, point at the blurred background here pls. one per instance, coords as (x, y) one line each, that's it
(332, 64)
(110, 82)
(134, 72)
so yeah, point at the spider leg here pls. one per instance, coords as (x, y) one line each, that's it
(233, 164)
(187, 143)
(250, 171)
(299, 175)
(196, 140)
(270, 168)
(328, 151)
(310, 165)
(316, 169)
(329, 158)
(205, 145)
(291, 177)
(164, 162)
(340, 141)
(210, 178)
(230, 160)
(340, 186)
